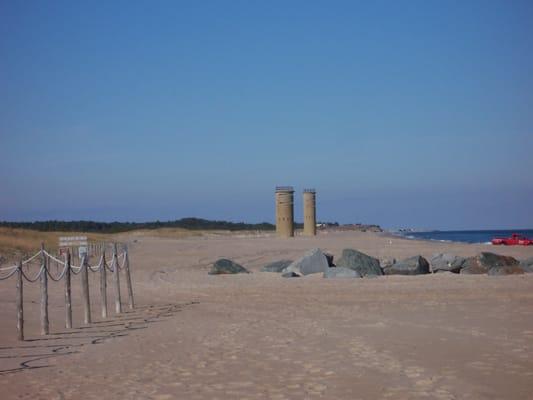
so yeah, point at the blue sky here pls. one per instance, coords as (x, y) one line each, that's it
(416, 113)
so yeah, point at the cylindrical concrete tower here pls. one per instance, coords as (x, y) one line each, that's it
(285, 211)
(309, 212)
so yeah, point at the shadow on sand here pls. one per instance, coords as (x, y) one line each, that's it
(34, 353)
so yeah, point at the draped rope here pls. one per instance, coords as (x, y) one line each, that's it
(61, 275)
(118, 261)
(123, 256)
(31, 258)
(43, 267)
(8, 268)
(96, 268)
(111, 268)
(57, 260)
(14, 269)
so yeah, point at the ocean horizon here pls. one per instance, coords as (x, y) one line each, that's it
(465, 236)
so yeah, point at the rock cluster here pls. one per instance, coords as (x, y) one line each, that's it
(355, 264)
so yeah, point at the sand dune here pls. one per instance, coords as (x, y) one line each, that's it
(196, 336)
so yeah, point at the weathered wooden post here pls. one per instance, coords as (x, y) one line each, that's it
(128, 278)
(45, 325)
(85, 290)
(68, 293)
(20, 303)
(118, 305)
(103, 286)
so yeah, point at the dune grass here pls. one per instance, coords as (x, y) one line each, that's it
(16, 241)
(171, 233)
(24, 241)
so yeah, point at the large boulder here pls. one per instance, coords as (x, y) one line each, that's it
(527, 265)
(360, 262)
(341, 272)
(312, 262)
(276, 266)
(416, 265)
(225, 266)
(446, 262)
(485, 262)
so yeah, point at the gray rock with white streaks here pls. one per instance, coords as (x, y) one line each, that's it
(416, 265)
(446, 262)
(312, 262)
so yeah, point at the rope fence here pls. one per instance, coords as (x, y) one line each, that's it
(64, 271)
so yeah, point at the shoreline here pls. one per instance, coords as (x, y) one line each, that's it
(413, 236)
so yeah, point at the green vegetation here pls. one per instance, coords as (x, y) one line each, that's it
(115, 227)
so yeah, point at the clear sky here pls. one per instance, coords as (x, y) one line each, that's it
(414, 113)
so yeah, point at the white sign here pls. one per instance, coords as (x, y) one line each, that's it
(82, 251)
(67, 241)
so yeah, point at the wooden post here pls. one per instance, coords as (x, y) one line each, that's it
(103, 286)
(85, 290)
(128, 279)
(45, 324)
(118, 305)
(20, 303)
(68, 293)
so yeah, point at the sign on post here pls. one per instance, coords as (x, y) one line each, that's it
(80, 242)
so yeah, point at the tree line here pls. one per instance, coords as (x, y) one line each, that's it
(116, 227)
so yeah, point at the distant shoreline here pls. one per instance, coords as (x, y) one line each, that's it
(456, 236)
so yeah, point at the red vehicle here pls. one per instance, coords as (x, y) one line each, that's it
(514, 240)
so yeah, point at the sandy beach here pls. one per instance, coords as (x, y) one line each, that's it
(260, 336)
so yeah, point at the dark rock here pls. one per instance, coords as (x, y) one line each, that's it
(312, 262)
(483, 262)
(360, 262)
(527, 265)
(329, 257)
(225, 266)
(276, 266)
(446, 262)
(416, 265)
(341, 272)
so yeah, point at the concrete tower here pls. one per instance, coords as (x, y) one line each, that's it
(285, 211)
(309, 212)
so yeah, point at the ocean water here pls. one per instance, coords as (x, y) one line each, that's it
(466, 236)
